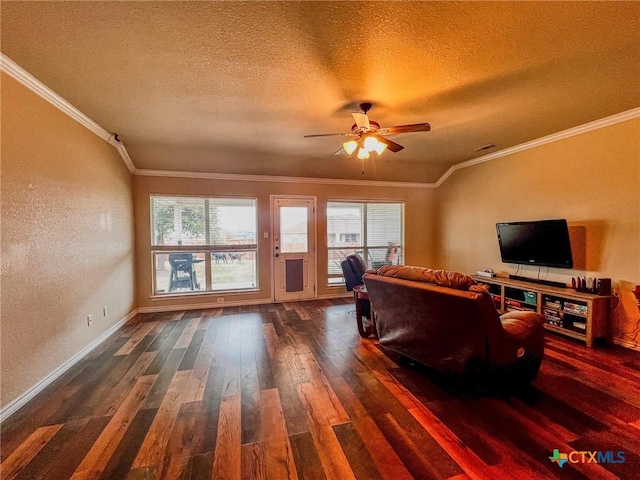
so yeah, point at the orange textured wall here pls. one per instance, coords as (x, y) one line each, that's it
(67, 239)
(419, 217)
(591, 179)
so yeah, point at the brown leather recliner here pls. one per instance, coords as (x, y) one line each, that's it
(448, 322)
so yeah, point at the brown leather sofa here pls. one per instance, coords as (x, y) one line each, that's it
(448, 322)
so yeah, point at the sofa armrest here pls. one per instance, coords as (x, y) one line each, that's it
(523, 338)
(519, 326)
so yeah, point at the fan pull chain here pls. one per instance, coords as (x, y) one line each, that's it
(362, 166)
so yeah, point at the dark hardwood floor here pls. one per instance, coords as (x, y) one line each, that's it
(292, 391)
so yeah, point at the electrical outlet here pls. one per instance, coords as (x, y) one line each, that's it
(104, 311)
(89, 320)
(220, 300)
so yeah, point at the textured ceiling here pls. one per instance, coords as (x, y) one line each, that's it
(232, 87)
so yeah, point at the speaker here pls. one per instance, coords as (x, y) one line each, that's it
(603, 286)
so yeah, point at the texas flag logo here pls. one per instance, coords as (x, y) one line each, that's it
(559, 458)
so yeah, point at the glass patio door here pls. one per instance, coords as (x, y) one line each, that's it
(293, 244)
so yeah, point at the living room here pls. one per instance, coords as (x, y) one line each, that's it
(76, 212)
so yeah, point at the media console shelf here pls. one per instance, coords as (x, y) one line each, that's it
(584, 316)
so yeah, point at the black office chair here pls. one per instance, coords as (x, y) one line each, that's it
(353, 268)
(183, 272)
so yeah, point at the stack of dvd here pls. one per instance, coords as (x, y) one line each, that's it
(552, 302)
(575, 308)
(553, 317)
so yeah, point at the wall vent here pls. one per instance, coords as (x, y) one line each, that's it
(488, 146)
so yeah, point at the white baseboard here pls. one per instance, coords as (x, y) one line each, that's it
(239, 303)
(203, 306)
(329, 296)
(22, 400)
(627, 344)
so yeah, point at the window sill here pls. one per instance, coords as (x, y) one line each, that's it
(204, 294)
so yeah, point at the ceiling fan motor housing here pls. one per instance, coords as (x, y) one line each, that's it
(365, 107)
(373, 127)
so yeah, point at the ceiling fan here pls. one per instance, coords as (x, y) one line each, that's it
(370, 137)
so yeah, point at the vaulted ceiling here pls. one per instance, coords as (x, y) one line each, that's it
(232, 87)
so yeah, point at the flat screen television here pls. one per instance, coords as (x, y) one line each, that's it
(542, 242)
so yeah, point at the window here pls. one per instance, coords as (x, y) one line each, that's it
(293, 230)
(374, 230)
(203, 244)
(349, 237)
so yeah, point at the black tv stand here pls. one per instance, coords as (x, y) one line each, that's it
(538, 281)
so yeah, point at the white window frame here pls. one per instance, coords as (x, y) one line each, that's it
(363, 240)
(207, 249)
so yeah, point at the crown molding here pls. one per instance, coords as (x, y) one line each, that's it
(554, 137)
(123, 152)
(25, 78)
(14, 70)
(278, 179)
(18, 73)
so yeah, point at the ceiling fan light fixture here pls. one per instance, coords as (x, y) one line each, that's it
(380, 148)
(363, 154)
(369, 143)
(350, 146)
(373, 144)
(371, 139)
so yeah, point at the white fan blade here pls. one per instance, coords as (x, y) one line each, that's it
(332, 135)
(361, 120)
